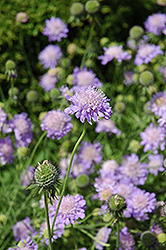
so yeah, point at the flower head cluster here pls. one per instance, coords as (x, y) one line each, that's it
(108, 126)
(27, 244)
(158, 103)
(3, 118)
(102, 235)
(114, 52)
(6, 151)
(85, 78)
(27, 177)
(162, 70)
(126, 240)
(129, 77)
(71, 209)
(50, 56)
(56, 123)
(48, 80)
(146, 52)
(89, 103)
(153, 138)
(155, 164)
(156, 23)
(55, 29)
(22, 127)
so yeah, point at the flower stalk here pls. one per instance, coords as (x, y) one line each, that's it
(47, 220)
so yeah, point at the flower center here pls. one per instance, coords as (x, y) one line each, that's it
(114, 51)
(132, 169)
(21, 125)
(55, 121)
(56, 27)
(153, 135)
(145, 51)
(88, 154)
(6, 149)
(154, 164)
(67, 205)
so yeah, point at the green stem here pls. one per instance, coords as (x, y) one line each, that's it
(68, 172)
(117, 239)
(47, 220)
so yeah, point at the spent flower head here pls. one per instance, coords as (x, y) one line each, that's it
(89, 103)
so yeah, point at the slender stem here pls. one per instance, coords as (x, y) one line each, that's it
(68, 172)
(47, 220)
(117, 239)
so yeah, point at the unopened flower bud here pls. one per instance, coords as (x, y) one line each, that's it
(13, 92)
(146, 78)
(82, 180)
(22, 151)
(161, 238)
(119, 107)
(22, 17)
(136, 32)
(10, 65)
(77, 9)
(116, 204)
(54, 93)
(65, 62)
(148, 238)
(92, 6)
(32, 96)
(71, 48)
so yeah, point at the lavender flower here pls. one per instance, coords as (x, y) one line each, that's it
(146, 52)
(162, 70)
(156, 23)
(129, 77)
(22, 127)
(55, 29)
(71, 209)
(156, 164)
(125, 188)
(6, 151)
(162, 120)
(66, 91)
(126, 240)
(48, 80)
(56, 123)
(90, 103)
(3, 118)
(153, 138)
(90, 153)
(134, 170)
(22, 229)
(57, 232)
(139, 204)
(108, 126)
(102, 235)
(50, 55)
(158, 103)
(28, 244)
(85, 78)
(114, 52)
(109, 168)
(27, 177)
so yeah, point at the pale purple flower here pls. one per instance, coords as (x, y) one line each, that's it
(126, 240)
(27, 177)
(55, 29)
(140, 204)
(71, 209)
(90, 103)
(58, 231)
(114, 52)
(50, 56)
(85, 78)
(131, 43)
(66, 91)
(109, 168)
(27, 244)
(162, 70)
(48, 82)
(103, 236)
(162, 120)
(6, 151)
(153, 138)
(158, 103)
(156, 229)
(155, 164)
(22, 17)
(125, 188)
(146, 52)
(156, 23)
(3, 118)
(90, 153)
(161, 2)
(134, 170)
(108, 126)
(22, 127)
(56, 123)
(129, 77)
(22, 229)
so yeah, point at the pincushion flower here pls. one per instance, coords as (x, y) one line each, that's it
(56, 123)
(162, 120)
(55, 29)
(48, 82)
(85, 78)
(114, 52)
(155, 164)
(6, 151)
(27, 177)
(126, 240)
(71, 209)
(140, 204)
(22, 17)
(89, 103)
(22, 127)
(156, 23)
(146, 52)
(108, 168)
(3, 118)
(27, 244)
(108, 126)
(158, 103)
(102, 235)
(153, 138)
(22, 229)
(129, 77)
(50, 56)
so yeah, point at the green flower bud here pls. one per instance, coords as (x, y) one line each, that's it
(66, 233)
(22, 151)
(161, 238)
(13, 91)
(77, 9)
(92, 6)
(82, 180)
(107, 217)
(134, 145)
(119, 107)
(10, 65)
(3, 218)
(65, 62)
(104, 41)
(136, 32)
(41, 116)
(161, 2)
(52, 72)
(146, 78)
(148, 238)
(10, 71)
(54, 93)
(71, 48)
(32, 96)
(69, 79)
